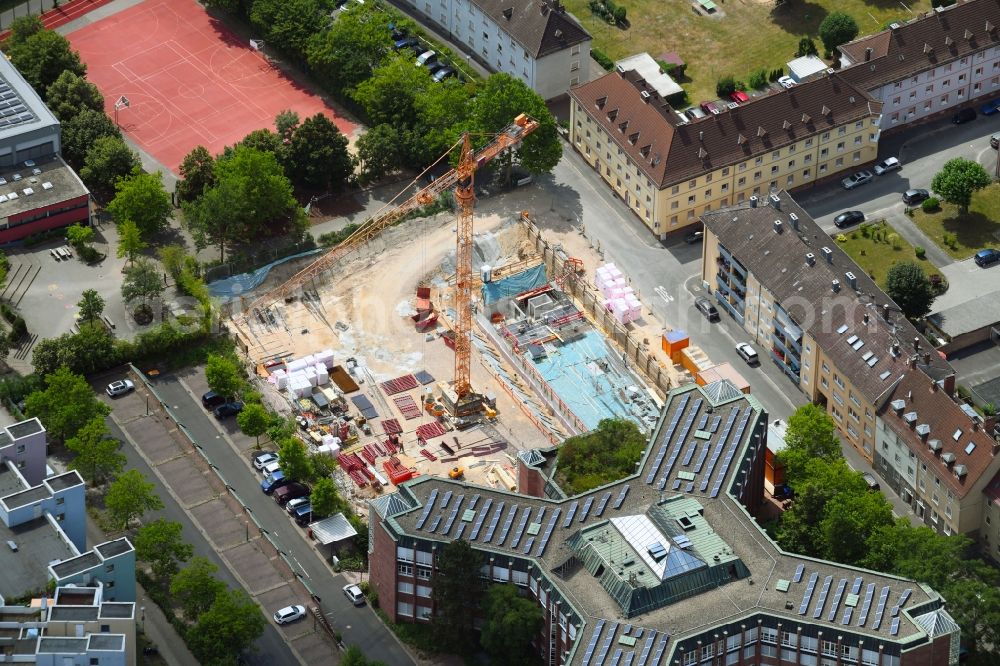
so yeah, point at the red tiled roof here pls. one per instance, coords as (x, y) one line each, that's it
(946, 419)
(670, 151)
(933, 39)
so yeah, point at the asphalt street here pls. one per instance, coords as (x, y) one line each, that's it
(359, 626)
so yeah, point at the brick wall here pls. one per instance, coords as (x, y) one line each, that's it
(382, 570)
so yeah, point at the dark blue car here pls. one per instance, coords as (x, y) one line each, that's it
(990, 107)
(273, 481)
(228, 409)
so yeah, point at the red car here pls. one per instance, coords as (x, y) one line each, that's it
(739, 97)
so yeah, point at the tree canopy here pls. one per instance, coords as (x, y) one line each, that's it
(958, 180)
(230, 625)
(42, 57)
(354, 45)
(324, 498)
(316, 156)
(65, 405)
(253, 420)
(512, 623)
(142, 281)
(130, 241)
(161, 544)
(908, 285)
(91, 305)
(293, 457)
(81, 131)
(224, 376)
(197, 174)
(141, 198)
(601, 456)
(71, 93)
(289, 24)
(108, 159)
(195, 587)
(129, 497)
(836, 29)
(811, 435)
(97, 456)
(457, 591)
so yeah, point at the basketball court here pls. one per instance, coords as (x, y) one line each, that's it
(187, 79)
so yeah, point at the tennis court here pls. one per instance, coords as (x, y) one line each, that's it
(189, 80)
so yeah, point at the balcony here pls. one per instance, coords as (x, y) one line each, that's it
(787, 347)
(786, 363)
(731, 304)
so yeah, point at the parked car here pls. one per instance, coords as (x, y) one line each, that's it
(887, 165)
(990, 107)
(211, 400)
(289, 614)
(856, 179)
(871, 481)
(848, 218)
(694, 113)
(786, 81)
(405, 43)
(303, 514)
(709, 107)
(987, 257)
(913, 197)
(964, 116)
(426, 57)
(747, 353)
(443, 74)
(120, 387)
(273, 481)
(694, 237)
(290, 491)
(271, 467)
(227, 409)
(995, 140)
(706, 308)
(434, 67)
(264, 458)
(354, 594)
(739, 97)
(294, 504)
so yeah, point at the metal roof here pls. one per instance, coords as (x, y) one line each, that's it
(332, 529)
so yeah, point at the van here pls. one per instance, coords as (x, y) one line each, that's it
(290, 491)
(747, 353)
(211, 400)
(706, 308)
(273, 481)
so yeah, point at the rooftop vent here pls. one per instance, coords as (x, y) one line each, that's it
(898, 405)
(12, 545)
(753, 201)
(960, 471)
(852, 280)
(894, 349)
(28, 191)
(810, 258)
(910, 418)
(794, 219)
(46, 185)
(827, 253)
(645, 96)
(507, 13)
(835, 285)
(923, 430)
(934, 445)
(776, 201)
(778, 226)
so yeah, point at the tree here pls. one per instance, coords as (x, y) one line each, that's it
(197, 174)
(43, 57)
(22, 28)
(849, 521)
(263, 140)
(811, 435)
(390, 95)
(253, 420)
(800, 530)
(349, 51)
(293, 457)
(141, 198)
(195, 587)
(378, 151)
(601, 456)
(79, 235)
(130, 241)
(353, 656)
(209, 217)
(836, 29)
(457, 592)
(324, 498)
(725, 86)
(807, 47)
(91, 305)
(70, 94)
(129, 497)
(958, 180)
(107, 160)
(230, 625)
(143, 281)
(512, 623)
(161, 544)
(224, 376)
(908, 285)
(81, 131)
(317, 155)
(289, 24)
(501, 99)
(66, 403)
(441, 110)
(97, 457)
(285, 123)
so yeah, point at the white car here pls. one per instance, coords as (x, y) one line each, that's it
(426, 57)
(747, 353)
(121, 387)
(887, 165)
(290, 614)
(354, 594)
(264, 458)
(859, 178)
(786, 81)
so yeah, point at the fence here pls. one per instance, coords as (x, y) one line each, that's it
(588, 299)
(246, 263)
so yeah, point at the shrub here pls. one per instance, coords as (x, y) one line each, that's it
(758, 79)
(807, 47)
(949, 239)
(865, 229)
(89, 254)
(8, 313)
(963, 392)
(930, 205)
(725, 86)
(841, 238)
(619, 14)
(920, 252)
(989, 409)
(598, 56)
(18, 329)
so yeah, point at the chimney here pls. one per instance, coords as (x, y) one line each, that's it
(934, 386)
(913, 361)
(927, 358)
(989, 423)
(776, 201)
(865, 317)
(753, 200)
(894, 350)
(794, 219)
(828, 253)
(885, 311)
(810, 258)
(778, 226)
(701, 135)
(868, 54)
(916, 343)
(852, 280)
(835, 285)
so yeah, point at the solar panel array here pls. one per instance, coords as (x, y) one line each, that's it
(570, 514)
(519, 532)
(865, 608)
(601, 504)
(506, 526)
(493, 523)
(880, 609)
(662, 451)
(866, 605)
(427, 509)
(644, 652)
(835, 604)
(733, 446)
(798, 573)
(586, 508)
(680, 442)
(435, 523)
(807, 597)
(621, 497)
(894, 627)
(480, 518)
(454, 513)
(447, 498)
(821, 601)
(548, 533)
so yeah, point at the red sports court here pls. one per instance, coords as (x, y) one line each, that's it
(189, 80)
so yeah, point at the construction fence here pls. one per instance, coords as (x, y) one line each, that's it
(636, 349)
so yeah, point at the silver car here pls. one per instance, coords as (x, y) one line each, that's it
(859, 178)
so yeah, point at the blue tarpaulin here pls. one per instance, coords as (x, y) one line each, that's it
(231, 287)
(515, 284)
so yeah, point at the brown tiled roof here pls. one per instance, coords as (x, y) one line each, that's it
(945, 418)
(670, 151)
(541, 27)
(933, 39)
(778, 261)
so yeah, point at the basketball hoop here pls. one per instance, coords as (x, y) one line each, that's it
(121, 103)
(257, 45)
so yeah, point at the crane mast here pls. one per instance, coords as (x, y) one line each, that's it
(465, 197)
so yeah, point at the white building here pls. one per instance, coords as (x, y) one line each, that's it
(538, 42)
(930, 66)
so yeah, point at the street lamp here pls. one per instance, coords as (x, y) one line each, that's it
(142, 619)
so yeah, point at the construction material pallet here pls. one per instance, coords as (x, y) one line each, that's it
(407, 406)
(399, 384)
(391, 427)
(427, 454)
(429, 430)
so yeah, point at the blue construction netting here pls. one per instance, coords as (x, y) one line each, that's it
(515, 284)
(234, 286)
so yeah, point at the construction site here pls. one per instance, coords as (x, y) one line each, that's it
(444, 345)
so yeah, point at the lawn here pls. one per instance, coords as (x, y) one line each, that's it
(751, 34)
(969, 233)
(876, 256)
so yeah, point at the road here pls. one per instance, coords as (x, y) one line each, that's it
(359, 626)
(270, 647)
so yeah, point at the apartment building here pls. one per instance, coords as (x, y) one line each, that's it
(24, 444)
(929, 66)
(939, 458)
(538, 42)
(667, 566)
(816, 314)
(670, 170)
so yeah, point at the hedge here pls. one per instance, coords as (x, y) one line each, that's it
(601, 59)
